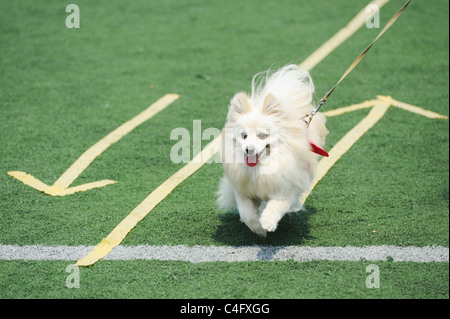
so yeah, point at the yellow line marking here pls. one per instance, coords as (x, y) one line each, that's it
(347, 142)
(106, 245)
(380, 106)
(27, 179)
(326, 48)
(415, 109)
(350, 108)
(155, 197)
(61, 186)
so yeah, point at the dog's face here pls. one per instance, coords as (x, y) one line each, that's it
(254, 129)
(253, 140)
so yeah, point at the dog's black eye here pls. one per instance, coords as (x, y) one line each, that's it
(244, 135)
(262, 135)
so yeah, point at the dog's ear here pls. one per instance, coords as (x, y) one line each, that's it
(271, 105)
(239, 105)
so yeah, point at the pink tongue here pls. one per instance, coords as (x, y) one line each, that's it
(252, 160)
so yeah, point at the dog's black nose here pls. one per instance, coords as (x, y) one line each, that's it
(250, 150)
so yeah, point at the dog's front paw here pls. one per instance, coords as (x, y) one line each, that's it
(267, 223)
(255, 227)
(260, 232)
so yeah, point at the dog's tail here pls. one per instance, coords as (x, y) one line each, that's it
(226, 199)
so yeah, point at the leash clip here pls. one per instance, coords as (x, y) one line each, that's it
(309, 117)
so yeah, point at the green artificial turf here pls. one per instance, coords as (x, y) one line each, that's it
(218, 280)
(62, 90)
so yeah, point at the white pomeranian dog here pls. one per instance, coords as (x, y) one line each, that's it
(267, 148)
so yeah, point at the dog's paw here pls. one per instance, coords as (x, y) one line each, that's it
(260, 232)
(267, 223)
(255, 227)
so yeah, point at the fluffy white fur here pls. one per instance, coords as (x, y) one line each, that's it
(270, 123)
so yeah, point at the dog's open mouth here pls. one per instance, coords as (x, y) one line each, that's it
(252, 160)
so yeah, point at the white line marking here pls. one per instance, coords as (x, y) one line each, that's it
(198, 254)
